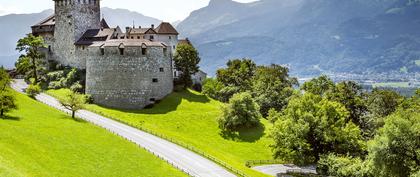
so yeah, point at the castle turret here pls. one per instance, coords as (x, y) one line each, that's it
(72, 19)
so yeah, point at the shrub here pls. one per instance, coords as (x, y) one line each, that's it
(332, 165)
(197, 87)
(241, 112)
(89, 99)
(33, 90)
(76, 87)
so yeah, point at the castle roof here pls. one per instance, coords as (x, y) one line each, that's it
(166, 28)
(96, 35)
(104, 24)
(129, 43)
(141, 31)
(49, 21)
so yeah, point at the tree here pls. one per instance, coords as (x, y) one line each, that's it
(31, 46)
(395, 151)
(238, 73)
(7, 99)
(311, 126)
(4, 80)
(212, 88)
(241, 112)
(7, 102)
(186, 61)
(351, 95)
(272, 87)
(73, 102)
(319, 86)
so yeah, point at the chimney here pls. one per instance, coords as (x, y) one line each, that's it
(153, 26)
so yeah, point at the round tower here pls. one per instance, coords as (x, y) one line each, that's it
(72, 19)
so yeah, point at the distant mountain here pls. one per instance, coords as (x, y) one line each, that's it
(312, 36)
(15, 26)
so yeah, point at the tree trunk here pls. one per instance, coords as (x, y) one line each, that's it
(34, 70)
(1, 112)
(73, 114)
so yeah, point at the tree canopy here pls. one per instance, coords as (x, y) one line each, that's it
(30, 46)
(186, 61)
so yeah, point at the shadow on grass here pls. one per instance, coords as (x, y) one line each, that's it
(245, 134)
(168, 104)
(10, 118)
(67, 117)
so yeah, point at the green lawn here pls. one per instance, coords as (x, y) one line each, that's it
(37, 140)
(190, 117)
(392, 84)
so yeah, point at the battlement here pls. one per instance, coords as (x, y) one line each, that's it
(75, 2)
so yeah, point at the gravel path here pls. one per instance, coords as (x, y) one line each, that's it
(181, 158)
(275, 169)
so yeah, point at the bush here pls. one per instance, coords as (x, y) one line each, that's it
(76, 87)
(332, 165)
(33, 90)
(89, 99)
(241, 112)
(197, 87)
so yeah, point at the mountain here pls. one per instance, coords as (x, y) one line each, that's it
(16, 26)
(311, 36)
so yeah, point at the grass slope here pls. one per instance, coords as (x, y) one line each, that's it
(190, 117)
(37, 140)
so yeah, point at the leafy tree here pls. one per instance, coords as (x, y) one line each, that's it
(311, 126)
(73, 102)
(7, 102)
(272, 87)
(352, 96)
(31, 46)
(395, 151)
(319, 86)
(238, 73)
(186, 61)
(7, 99)
(341, 166)
(4, 80)
(212, 88)
(241, 112)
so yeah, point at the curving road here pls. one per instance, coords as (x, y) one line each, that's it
(181, 158)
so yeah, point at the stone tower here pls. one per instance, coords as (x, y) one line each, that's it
(72, 19)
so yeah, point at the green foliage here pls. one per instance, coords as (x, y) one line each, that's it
(31, 46)
(66, 78)
(73, 102)
(238, 73)
(4, 80)
(272, 87)
(186, 60)
(241, 112)
(395, 151)
(7, 102)
(212, 87)
(312, 126)
(340, 166)
(352, 96)
(319, 86)
(33, 90)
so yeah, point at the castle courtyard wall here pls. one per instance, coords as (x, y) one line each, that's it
(127, 81)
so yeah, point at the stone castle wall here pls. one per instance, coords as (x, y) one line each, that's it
(128, 81)
(72, 19)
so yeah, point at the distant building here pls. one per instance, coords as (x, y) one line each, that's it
(124, 69)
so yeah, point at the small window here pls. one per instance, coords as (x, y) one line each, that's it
(121, 51)
(152, 99)
(138, 37)
(155, 80)
(83, 47)
(152, 37)
(170, 37)
(143, 51)
(102, 51)
(49, 48)
(174, 73)
(174, 47)
(165, 51)
(161, 69)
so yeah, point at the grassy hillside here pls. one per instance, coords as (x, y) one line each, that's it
(190, 117)
(37, 140)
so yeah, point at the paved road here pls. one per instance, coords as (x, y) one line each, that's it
(275, 169)
(181, 158)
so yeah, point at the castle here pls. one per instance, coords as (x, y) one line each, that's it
(127, 70)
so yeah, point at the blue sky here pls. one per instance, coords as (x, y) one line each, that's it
(167, 10)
